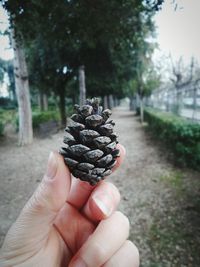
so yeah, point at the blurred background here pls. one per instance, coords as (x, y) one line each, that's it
(142, 59)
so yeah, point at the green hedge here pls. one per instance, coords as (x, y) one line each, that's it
(39, 117)
(6, 116)
(180, 135)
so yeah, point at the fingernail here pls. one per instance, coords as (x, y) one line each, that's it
(104, 203)
(51, 166)
(79, 263)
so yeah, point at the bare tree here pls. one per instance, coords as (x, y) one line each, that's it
(182, 77)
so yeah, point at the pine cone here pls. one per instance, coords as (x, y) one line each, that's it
(90, 144)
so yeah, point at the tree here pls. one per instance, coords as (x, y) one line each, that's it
(101, 35)
(22, 88)
(2, 63)
(82, 88)
(143, 49)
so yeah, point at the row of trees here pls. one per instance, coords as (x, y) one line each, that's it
(104, 42)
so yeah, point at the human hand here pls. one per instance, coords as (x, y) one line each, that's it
(67, 222)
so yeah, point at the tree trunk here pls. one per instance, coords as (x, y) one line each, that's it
(62, 108)
(178, 102)
(131, 103)
(40, 100)
(22, 91)
(194, 102)
(141, 110)
(105, 102)
(115, 101)
(82, 88)
(110, 101)
(45, 101)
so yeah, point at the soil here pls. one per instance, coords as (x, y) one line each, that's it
(161, 201)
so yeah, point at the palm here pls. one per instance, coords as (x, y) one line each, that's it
(69, 231)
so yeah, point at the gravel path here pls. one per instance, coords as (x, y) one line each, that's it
(161, 201)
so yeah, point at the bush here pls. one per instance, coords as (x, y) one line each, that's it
(181, 136)
(7, 103)
(39, 117)
(6, 116)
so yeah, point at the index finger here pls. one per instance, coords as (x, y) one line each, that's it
(80, 191)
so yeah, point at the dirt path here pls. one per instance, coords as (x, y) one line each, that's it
(162, 202)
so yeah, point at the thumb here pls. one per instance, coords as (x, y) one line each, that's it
(37, 216)
(53, 191)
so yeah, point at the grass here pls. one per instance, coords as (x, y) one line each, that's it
(174, 234)
(174, 179)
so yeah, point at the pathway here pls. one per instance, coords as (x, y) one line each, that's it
(164, 225)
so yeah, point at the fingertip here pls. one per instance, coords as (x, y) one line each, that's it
(120, 159)
(61, 162)
(122, 149)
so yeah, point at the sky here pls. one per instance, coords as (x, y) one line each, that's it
(178, 32)
(5, 51)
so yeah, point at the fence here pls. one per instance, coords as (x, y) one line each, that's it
(183, 101)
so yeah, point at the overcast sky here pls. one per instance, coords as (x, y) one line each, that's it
(178, 31)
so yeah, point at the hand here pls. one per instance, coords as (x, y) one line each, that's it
(67, 222)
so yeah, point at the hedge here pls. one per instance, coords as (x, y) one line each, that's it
(181, 136)
(6, 116)
(39, 117)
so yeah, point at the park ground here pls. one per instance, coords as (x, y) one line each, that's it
(162, 201)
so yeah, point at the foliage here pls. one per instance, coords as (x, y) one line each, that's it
(41, 117)
(102, 35)
(180, 135)
(152, 81)
(6, 66)
(6, 116)
(7, 103)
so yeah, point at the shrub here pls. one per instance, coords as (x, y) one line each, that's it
(7, 103)
(6, 116)
(39, 117)
(181, 136)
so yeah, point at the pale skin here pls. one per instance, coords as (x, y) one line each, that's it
(67, 222)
